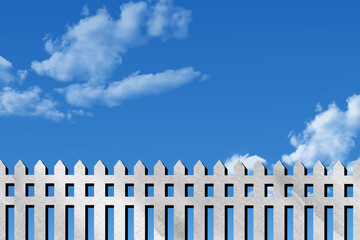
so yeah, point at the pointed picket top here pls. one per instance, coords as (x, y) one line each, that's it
(339, 169)
(319, 169)
(80, 168)
(299, 169)
(120, 168)
(240, 169)
(3, 169)
(220, 169)
(200, 169)
(40, 168)
(20, 168)
(279, 169)
(140, 169)
(160, 169)
(100, 168)
(60, 168)
(260, 169)
(180, 169)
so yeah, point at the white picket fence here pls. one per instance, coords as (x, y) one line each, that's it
(339, 180)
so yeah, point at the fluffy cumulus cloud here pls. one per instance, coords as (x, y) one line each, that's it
(91, 49)
(88, 53)
(88, 94)
(28, 103)
(5, 67)
(7, 74)
(329, 137)
(248, 161)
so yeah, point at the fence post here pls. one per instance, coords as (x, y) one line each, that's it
(40, 172)
(199, 194)
(279, 193)
(356, 201)
(220, 172)
(339, 172)
(120, 172)
(179, 206)
(20, 216)
(298, 204)
(60, 172)
(240, 172)
(80, 173)
(100, 171)
(3, 173)
(140, 172)
(260, 172)
(160, 173)
(319, 172)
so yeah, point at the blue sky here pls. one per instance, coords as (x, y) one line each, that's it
(182, 80)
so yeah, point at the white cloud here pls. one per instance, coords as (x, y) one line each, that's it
(248, 161)
(28, 103)
(318, 108)
(205, 77)
(85, 11)
(6, 72)
(329, 137)
(89, 94)
(78, 112)
(22, 74)
(166, 20)
(5, 63)
(91, 49)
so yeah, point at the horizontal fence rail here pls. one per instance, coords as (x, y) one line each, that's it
(179, 191)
